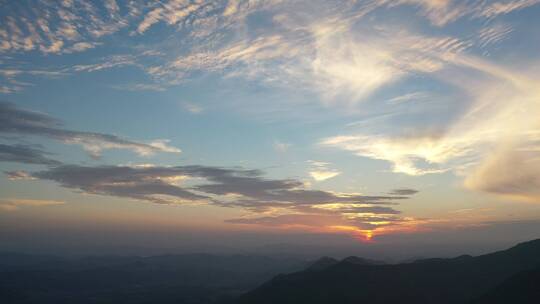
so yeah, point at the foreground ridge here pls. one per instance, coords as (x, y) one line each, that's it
(464, 279)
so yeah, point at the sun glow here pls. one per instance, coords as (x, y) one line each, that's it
(359, 234)
(368, 235)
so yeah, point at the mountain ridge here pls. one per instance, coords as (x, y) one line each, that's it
(455, 280)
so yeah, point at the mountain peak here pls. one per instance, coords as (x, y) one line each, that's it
(360, 261)
(322, 263)
(528, 245)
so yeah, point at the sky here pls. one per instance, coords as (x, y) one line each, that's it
(378, 127)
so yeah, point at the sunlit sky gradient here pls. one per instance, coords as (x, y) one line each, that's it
(206, 125)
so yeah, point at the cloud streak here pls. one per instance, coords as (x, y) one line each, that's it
(16, 204)
(236, 188)
(25, 154)
(17, 121)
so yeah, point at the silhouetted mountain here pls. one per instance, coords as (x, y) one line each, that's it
(361, 261)
(457, 280)
(434, 260)
(322, 263)
(193, 278)
(523, 288)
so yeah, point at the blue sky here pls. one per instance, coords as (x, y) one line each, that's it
(364, 118)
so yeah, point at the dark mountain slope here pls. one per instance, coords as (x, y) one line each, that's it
(190, 278)
(439, 281)
(523, 288)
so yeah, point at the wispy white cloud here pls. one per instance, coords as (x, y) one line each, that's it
(193, 107)
(510, 172)
(322, 49)
(415, 96)
(320, 176)
(403, 153)
(442, 12)
(496, 8)
(439, 12)
(493, 34)
(280, 146)
(320, 171)
(82, 46)
(11, 77)
(107, 63)
(499, 127)
(173, 12)
(55, 28)
(328, 57)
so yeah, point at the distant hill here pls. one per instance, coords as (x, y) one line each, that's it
(361, 261)
(440, 281)
(322, 264)
(178, 279)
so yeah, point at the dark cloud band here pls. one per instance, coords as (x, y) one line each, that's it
(226, 187)
(25, 154)
(17, 121)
